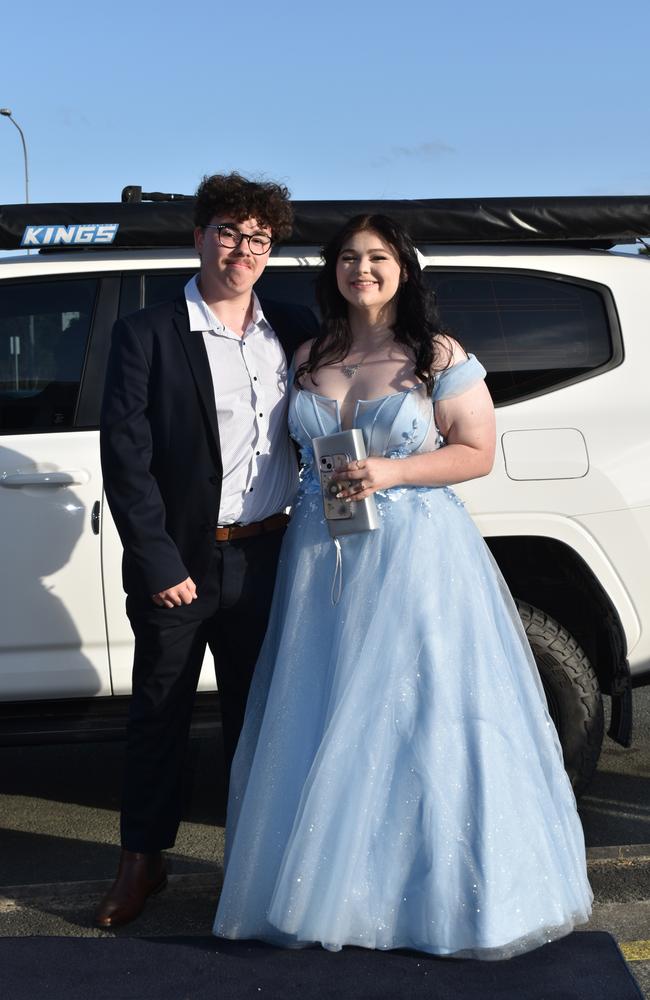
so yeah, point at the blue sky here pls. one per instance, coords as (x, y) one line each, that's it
(337, 99)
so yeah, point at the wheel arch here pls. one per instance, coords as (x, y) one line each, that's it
(550, 574)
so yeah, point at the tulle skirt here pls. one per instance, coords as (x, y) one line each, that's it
(398, 782)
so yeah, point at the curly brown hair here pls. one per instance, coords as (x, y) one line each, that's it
(239, 198)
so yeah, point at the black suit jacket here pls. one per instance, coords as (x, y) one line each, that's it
(161, 456)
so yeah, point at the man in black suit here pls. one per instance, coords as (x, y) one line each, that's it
(198, 471)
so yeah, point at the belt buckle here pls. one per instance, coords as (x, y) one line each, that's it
(228, 529)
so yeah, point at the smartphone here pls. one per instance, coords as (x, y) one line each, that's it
(333, 453)
(335, 508)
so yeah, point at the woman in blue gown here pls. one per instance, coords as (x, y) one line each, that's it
(398, 782)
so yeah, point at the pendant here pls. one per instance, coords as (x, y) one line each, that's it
(350, 370)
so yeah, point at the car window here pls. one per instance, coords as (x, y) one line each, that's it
(154, 287)
(296, 286)
(532, 333)
(44, 327)
(131, 293)
(163, 286)
(282, 285)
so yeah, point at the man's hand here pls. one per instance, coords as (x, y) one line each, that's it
(182, 593)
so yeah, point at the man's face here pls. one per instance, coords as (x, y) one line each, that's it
(229, 272)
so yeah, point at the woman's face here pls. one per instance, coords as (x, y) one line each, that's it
(368, 271)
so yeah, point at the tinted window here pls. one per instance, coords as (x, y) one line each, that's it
(138, 290)
(130, 293)
(297, 286)
(44, 329)
(289, 285)
(531, 333)
(164, 286)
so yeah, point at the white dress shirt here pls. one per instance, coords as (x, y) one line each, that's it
(249, 375)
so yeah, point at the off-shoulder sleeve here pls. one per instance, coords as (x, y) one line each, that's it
(458, 379)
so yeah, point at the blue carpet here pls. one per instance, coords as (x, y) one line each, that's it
(583, 966)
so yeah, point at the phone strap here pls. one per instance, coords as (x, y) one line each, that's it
(337, 581)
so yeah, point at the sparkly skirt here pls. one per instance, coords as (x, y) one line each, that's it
(398, 782)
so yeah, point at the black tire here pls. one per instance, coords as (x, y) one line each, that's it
(572, 691)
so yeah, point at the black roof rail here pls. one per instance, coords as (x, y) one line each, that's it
(132, 194)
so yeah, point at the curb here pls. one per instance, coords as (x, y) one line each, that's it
(629, 852)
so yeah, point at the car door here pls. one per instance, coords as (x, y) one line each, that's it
(138, 289)
(52, 628)
(147, 288)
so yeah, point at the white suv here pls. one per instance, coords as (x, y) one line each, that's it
(562, 328)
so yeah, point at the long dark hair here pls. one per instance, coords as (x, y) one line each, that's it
(417, 325)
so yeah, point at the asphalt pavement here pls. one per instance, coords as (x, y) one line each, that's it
(59, 830)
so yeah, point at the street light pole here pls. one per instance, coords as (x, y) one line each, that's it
(7, 114)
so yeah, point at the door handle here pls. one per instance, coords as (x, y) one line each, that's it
(16, 480)
(94, 517)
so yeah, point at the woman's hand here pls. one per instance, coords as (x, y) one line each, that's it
(366, 476)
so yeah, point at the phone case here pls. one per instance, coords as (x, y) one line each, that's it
(332, 453)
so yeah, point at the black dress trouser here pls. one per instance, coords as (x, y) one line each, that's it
(230, 616)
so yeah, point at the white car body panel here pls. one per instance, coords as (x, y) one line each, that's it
(53, 639)
(64, 628)
(120, 636)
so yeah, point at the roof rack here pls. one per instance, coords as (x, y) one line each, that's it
(132, 194)
(155, 219)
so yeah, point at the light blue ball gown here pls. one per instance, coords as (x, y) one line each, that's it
(398, 782)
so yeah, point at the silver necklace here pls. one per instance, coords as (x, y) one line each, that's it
(351, 370)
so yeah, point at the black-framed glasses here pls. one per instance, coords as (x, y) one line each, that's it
(230, 237)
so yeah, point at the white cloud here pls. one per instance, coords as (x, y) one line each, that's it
(420, 151)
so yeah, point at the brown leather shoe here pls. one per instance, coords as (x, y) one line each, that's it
(138, 877)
